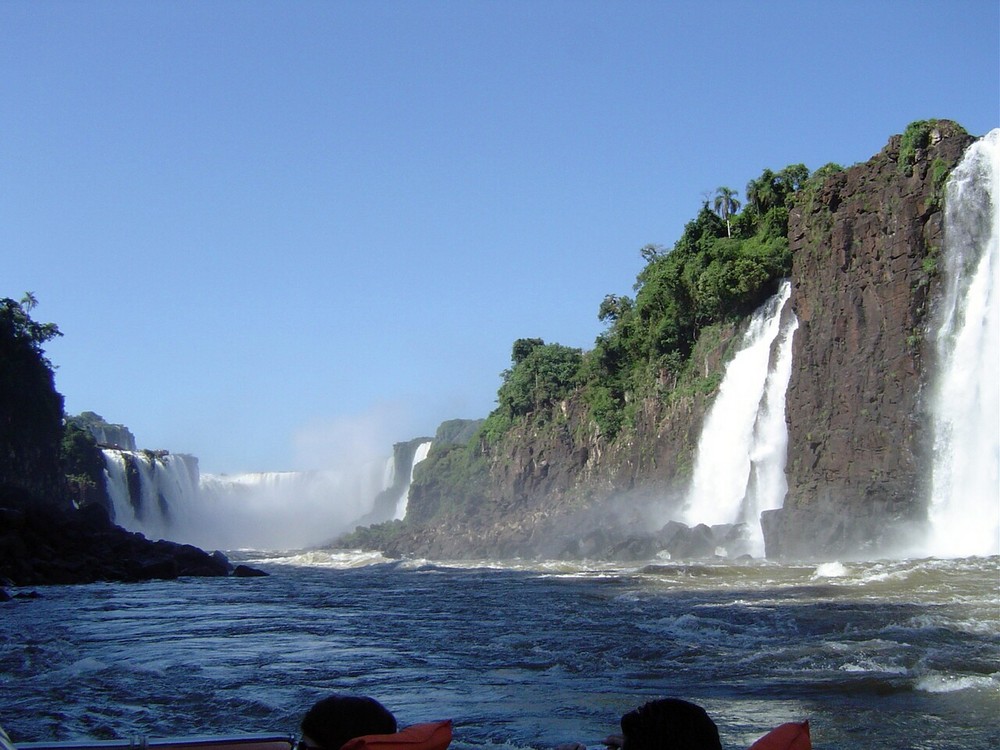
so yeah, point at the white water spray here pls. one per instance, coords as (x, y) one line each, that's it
(272, 510)
(964, 508)
(419, 455)
(740, 460)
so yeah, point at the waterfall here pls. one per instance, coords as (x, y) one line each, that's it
(419, 455)
(150, 491)
(163, 496)
(740, 460)
(964, 505)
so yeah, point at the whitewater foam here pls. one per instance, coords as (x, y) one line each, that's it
(740, 459)
(964, 508)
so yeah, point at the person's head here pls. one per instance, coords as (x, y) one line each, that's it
(335, 720)
(669, 724)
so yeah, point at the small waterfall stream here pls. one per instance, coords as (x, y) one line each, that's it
(419, 455)
(740, 462)
(964, 506)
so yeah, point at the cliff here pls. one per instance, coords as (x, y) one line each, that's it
(555, 486)
(865, 249)
(863, 244)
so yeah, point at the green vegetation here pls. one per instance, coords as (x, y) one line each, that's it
(82, 463)
(726, 263)
(917, 137)
(376, 536)
(541, 374)
(722, 267)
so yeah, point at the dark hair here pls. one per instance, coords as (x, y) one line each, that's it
(335, 720)
(670, 724)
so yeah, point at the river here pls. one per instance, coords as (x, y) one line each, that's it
(883, 654)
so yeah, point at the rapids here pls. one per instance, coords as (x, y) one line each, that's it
(886, 654)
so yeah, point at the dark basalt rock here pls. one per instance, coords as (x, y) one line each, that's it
(245, 571)
(45, 544)
(864, 246)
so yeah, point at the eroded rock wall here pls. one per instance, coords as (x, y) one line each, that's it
(556, 480)
(865, 249)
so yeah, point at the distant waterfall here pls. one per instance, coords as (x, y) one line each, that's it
(419, 455)
(740, 461)
(163, 496)
(964, 508)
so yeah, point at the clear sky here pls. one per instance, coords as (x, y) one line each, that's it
(286, 235)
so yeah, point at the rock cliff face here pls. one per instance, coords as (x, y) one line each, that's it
(559, 487)
(864, 247)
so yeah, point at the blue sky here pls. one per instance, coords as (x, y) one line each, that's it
(285, 235)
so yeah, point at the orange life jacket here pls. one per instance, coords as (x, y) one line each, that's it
(434, 735)
(791, 736)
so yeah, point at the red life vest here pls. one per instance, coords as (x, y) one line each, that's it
(791, 736)
(434, 735)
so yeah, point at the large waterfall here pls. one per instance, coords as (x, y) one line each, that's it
(163, 496)
(740, 463)
(964, 507)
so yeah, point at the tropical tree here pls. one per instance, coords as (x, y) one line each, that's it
(726, 205)
(546, 374)
(29, 302)
(763, 193)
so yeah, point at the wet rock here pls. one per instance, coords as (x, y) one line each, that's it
(245, 571)
(46, 544)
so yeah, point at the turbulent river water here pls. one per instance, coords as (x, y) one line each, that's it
(886, 654)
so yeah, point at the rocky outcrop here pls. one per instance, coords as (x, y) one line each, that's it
(41, 544)
(865, 248)
(106, 434)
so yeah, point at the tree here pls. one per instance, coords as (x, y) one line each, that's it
(29, 302)
(16, 325)
(726, 205)
(522, 348)
(613, 308)
(763, 193)
(651, 252)
(792, 178)
(545, 375)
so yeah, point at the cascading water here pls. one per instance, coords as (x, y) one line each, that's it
(419, 455)
(964, 507)
(163, 496)
(150, 492)
(740, 461)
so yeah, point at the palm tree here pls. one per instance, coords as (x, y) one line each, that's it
(29, 302)
(726, 205)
